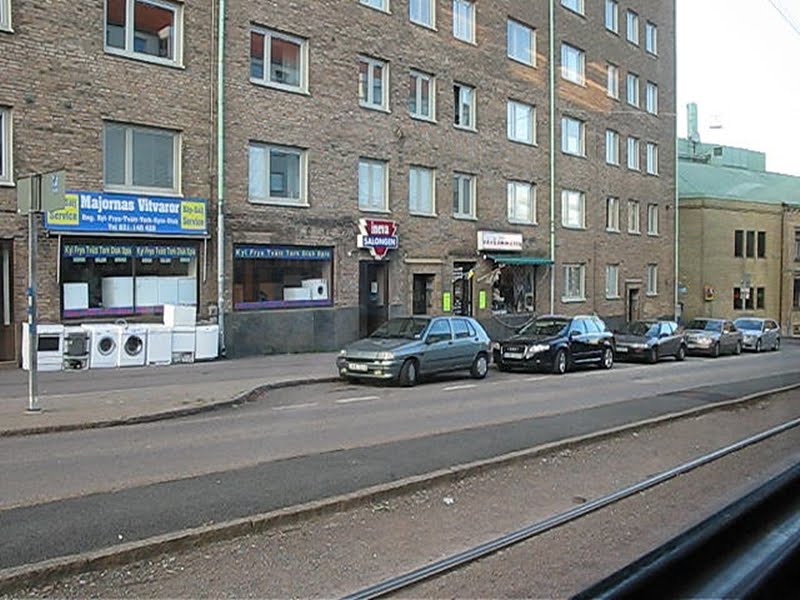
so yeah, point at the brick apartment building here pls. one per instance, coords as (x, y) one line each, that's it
(381, 157)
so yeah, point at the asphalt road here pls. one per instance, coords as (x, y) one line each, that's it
(70, 492)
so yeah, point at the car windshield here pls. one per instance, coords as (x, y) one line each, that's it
(640, 328)
(748, 324)
(544, 327)
(408, 328)
(706, 325)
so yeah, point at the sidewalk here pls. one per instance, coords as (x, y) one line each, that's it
(105, 397)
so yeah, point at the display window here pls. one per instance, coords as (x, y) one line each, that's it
(513, 289)
(268, 277)
(119, 279)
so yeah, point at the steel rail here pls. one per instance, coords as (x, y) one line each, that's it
(473, 554)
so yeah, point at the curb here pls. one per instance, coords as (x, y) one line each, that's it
(242, 398)
(37, 573)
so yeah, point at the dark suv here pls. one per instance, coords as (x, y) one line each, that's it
(556, 343)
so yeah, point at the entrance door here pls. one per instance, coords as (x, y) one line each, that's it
(6, 306)
(462, 288)
(422, 294)
(373, 282)
(634, 312)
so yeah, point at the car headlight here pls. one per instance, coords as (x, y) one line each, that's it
(703, 339)
(385, 356)
(536, 349)
(342, 352)
(495, 345)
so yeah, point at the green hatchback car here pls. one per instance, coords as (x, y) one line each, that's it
(405, 349)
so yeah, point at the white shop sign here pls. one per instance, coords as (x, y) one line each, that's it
(497, 240)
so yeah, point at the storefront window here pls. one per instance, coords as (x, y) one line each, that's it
(513, 289)
(118, 279)
(267, 277)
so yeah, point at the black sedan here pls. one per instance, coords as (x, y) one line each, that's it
(650, 340)
(556, 343)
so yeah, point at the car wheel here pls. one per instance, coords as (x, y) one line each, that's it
(738, 350)
(758, 345)
(560, 362)
(652, 355)
(681, 353)
(408, 373)
(608, 358)
(715, 351)
(777, 345)
(480, 366)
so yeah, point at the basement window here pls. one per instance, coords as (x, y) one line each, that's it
(147, 30)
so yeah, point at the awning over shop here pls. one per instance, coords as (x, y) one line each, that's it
(516, 259)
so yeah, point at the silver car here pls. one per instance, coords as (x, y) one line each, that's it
(759, 334)
(712, 337)
(406, 348)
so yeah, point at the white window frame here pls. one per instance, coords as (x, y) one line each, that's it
(5, 15)
(612, 16)
(7, 145)
(302, 200)
(418, 77)
(578, 295)
(567, 124)
(370, 206)
(632, 89)
(632, 27)
(266, 80)
(413, 196)
(414, 6)
(575, 6)
(612, 81)
(633, 154)
(566, 219)
(128, 51)
(511, 130)
(367, 101)
(471, 107)
(381, 5)
(612, 147)
(128, 186)
(651, 38)
(651, 158)
(461, 179)
(513, 25)
(651, 98)
(652, 219)
(469, 7)
(612, 282)
(652, 280)
(634, 217)
(511, 194)
(577, 75)
(612, 214)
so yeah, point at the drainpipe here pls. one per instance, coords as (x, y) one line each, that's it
(677, 166)
(552, 158)
(221, 174)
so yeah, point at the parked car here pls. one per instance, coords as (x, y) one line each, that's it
(650, 340)
(713, 337)
(556, 343)
(759, 334)
(404, 349)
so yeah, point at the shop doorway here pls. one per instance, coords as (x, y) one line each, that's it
(422, 299)
(373, 283)
(634, 311)
(7, 344)
(462, 288)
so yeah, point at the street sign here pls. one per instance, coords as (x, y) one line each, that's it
(24, 195)
(53, 197)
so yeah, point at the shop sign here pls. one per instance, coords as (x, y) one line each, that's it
(378, 236)
(282, 253)
(127, 251)
(101, 212)
(496, 240)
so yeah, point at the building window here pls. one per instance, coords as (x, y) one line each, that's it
(278, 174)
(574, 283)
(521, 122)
(141, 159)
(377, 4)
(278, 60)
(514, 289)
(738, 243)
(373, 78)
(612, 214)
(633, 217)
(652, 219)
(797, 245)
(633, 154)
(612, 16)
(632, 27)
(612, 281)
(651, 98)
(573, 64)
(796, 293)
(521, 202)
(521, 43)
(651, 158)
(373, 184)
(464, 102)
(651, 38)
(612, 81)
(762, 244)
(573, 136)
(573, 209)
(272, 277)
(612, 147)
(652, 280)
(422, 191)
(743, 298)
(573, 5)
(633, 89)
(760, 293)
(422, 12)
(6, 164)
(5, 15)
(464, 195)
(149, 30)
(464, 20)
(750, 247)
(421, 95)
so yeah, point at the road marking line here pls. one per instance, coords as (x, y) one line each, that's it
(358, 399)
(294, 406)
(537, 378)
(453, 388)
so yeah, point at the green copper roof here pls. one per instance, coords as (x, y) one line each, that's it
(699, 180)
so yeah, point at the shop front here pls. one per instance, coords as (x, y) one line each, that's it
(378, 237)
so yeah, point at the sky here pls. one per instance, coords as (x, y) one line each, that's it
(739, 60)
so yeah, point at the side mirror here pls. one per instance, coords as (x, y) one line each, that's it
(574, 333)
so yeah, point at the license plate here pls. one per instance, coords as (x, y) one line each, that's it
(357, 367)
(513, 355)
(621, 349)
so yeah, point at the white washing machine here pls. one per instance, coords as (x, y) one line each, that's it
(104, 344)
(132, 346)
(159, 345)
(183, 343)
(49, 347)
(206, 345)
